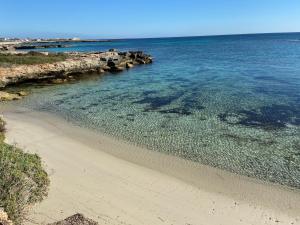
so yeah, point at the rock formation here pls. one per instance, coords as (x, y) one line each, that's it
(76, 63)
(27, 47)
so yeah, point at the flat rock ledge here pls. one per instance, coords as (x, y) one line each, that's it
(76, 63)
(77, 219)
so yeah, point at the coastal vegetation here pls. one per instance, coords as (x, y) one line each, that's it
(31, 58)
(23, 180)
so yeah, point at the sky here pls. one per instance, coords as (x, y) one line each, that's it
(145, 18)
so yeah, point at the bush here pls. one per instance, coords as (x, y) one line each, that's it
(23, 181)
(30, 58)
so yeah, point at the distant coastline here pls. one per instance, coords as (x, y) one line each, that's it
(51, 40)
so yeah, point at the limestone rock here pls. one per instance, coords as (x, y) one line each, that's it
(129, 65)
(5, 96)
(75, 64)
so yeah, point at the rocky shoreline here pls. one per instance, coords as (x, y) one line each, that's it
(28, 47)
(75, 64)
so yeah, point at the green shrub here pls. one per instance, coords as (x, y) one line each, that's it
(30, 58)
(23, 181)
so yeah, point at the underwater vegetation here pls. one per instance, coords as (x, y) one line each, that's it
(267, 117)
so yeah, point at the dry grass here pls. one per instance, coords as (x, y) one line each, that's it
(30, 58)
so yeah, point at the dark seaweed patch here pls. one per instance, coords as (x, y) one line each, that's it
(191, 103)
(266, 142)
(187, 108)
(155, 103)
(181, 111)
(149, 92)
(267, 117)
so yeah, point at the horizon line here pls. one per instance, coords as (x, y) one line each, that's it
(160, 37)
(209, 35)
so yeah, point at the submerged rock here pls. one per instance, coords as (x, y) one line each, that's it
(5, 96)
(77, 219)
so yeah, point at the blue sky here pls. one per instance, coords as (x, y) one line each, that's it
(151, 18)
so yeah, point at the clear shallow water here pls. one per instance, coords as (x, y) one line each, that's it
(231, 102)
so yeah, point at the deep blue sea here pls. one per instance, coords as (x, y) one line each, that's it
(231, 102)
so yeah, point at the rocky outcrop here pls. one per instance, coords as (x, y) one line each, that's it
(76, 63)
(77, 219)
(27, 47)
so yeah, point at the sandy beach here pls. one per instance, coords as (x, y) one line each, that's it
(116, 183)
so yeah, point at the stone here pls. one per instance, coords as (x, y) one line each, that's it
(100, 70)
(77, 219)
(129, 65)
(106, 68)
(22, 93)
(117, 69)
(140, 61)
(112, 50)
(5, 96)
(4, 218)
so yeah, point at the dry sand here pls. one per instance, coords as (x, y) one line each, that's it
(116, 183)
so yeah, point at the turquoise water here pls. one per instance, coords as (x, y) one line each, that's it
(232, 102)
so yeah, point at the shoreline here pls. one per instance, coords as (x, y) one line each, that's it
(121, 182)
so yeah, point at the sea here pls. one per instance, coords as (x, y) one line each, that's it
(231, 102)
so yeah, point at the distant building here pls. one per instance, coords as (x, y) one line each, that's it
(75, 39)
